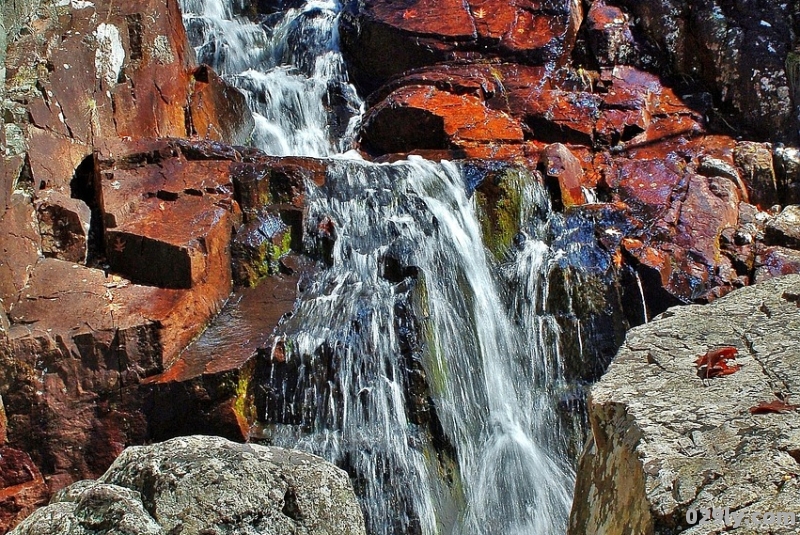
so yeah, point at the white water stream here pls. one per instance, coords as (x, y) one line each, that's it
(487, 457)
(290, 69)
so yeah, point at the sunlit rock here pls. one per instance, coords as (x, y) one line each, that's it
(199, 483)
(666, 441)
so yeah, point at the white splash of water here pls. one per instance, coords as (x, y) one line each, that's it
(290, 70)
(483, 366)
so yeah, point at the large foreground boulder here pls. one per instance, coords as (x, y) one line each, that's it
(202, 485)
(668, 439)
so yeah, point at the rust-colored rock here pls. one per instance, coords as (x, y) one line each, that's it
(20, 246)
(421, 32)
(54, 158)
(210, 389)
(445, 119)
(169, 224)
(10, 172)
(639, 110)
(562, 165)
(266, 180)
(687, 223)
(173, 244)
(445, 19)
(444, 108)
(150, 86)
(531, 28)
(715, 44)
(610, 36)
(64, 226)
(22, 488)
(754, 161)
(212, 105)
(709, 206)
(558, 115)
(97, 358)
(647, 185)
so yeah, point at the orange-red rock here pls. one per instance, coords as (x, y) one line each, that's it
(54, 158)
(561, 164)
(447, 120)
(610, 35)
(3, 424)
(429, 108)
(154, 90)
(20, 247)
(422, 32)
(22, 488)
(211, 387)
(64, 226)
(83, 341)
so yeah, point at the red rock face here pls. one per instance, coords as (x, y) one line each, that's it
(22, 488)
(146, 86)
(98, 355)
(421, 32)
(620, 131)
(77, 342)
(611, 39)
(64, 226)
(715, 45)
(562, 165)
(20, 244)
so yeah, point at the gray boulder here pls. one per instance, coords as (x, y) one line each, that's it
(666, 441)
(784, 229)
(205, 485)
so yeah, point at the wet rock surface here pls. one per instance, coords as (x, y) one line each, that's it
(95, 349)
(646, 147)
(199, 484)
(212, 386)
(666, 439)
(668, 143)
(741, 52)
(422, 33)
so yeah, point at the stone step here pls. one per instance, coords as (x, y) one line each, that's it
(210, 387)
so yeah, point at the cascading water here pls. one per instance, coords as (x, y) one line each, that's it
(413, 360)
(407, 237)
(289, 68)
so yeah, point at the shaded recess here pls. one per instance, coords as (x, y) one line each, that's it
(402, 130)
(84, 186)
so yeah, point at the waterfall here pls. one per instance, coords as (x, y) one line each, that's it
(407, 237)
(414, 360)
(289, 68)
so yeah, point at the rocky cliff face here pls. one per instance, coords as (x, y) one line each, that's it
(201, 484)
(668, 437)
(103, 281)
(636, 109)
(661, 133)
